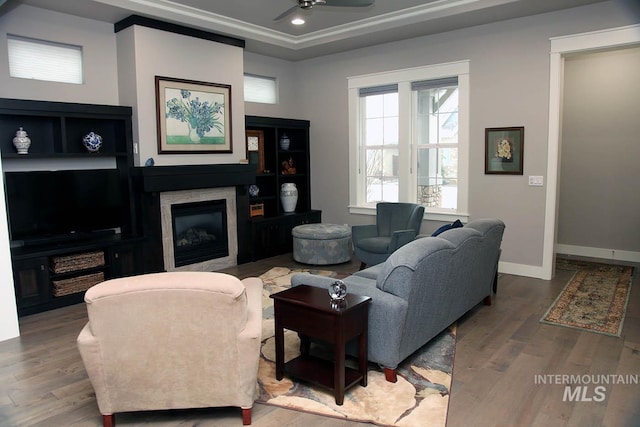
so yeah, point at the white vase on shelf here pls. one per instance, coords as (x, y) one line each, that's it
(289, 197)
(22, 142)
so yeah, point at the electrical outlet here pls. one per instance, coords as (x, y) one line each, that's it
(536, 181)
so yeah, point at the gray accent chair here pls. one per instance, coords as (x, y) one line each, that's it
(396, 225)
(422, 288)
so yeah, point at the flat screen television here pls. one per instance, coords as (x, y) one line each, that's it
(50, 206)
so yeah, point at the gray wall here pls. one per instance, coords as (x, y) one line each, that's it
(599, 204)
(98, 54)
(509, 73)
(289, 102)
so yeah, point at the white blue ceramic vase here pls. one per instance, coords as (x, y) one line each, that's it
(92, 142)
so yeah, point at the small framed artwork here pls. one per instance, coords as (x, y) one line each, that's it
(255, 149)
(193, 117)
(504, 150)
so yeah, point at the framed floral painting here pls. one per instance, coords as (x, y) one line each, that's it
(193, 117)
(504, 150)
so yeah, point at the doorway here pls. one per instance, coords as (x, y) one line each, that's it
(560, 47)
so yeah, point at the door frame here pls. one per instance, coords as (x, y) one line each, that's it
(561, 46)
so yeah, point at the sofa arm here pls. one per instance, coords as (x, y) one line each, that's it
(253, 327)
(249, 342)
(89, 348)
(400, 238)
(359, 232)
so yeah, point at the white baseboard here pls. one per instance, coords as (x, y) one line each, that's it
(602, 253)
(520, 269)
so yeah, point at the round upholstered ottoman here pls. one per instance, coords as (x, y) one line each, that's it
(321, 244)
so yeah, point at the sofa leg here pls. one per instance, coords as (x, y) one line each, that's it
(495, 283)
(246, 416)
(390, 375)
(487, 300)
(109, 420)
(362, 265)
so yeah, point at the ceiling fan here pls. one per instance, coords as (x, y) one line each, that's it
(308, 4)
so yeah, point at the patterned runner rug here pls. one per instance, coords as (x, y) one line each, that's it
(419, 398)
(595, 299)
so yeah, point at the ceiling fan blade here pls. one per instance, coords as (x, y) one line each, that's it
(286, 13)
(349, 3)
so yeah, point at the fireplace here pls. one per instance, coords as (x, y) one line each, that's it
(161, 187)
(199, 231)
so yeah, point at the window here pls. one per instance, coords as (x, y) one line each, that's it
(260, 89)
(43, 60)
(436, 140)
(409, 136)
(380, 143)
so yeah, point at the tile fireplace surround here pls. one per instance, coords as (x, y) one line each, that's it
(169, 198)
(162, 186)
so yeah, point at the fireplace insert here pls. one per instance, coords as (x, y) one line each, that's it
(199, 231)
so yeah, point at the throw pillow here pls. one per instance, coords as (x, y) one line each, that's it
(456, 224)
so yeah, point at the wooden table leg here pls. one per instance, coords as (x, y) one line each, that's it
(279, 336)
(339, 365)
(363, 357)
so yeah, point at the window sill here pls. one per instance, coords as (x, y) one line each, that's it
(429, 216)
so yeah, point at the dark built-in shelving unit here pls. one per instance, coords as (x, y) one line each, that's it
(271, 233)
(56, 130)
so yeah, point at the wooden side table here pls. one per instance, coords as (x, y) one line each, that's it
(308, 311)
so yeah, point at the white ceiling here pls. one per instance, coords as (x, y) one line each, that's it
(327, 29)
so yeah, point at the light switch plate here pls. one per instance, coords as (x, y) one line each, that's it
(536, 181)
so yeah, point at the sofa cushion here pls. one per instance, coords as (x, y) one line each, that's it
(376, 245)
(456, 224)
(369, 273)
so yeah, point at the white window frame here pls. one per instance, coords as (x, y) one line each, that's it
(406, 156)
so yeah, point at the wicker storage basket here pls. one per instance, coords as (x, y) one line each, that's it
(73, 285)
(75, 262)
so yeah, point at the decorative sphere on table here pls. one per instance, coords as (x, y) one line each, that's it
(337, 290)
(92, 142)
(254, 190)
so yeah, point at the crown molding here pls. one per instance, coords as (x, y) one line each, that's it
(189, 16)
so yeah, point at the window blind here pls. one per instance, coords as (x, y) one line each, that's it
(44, 60)
(260, 89)
(435, 83)
(378, 90)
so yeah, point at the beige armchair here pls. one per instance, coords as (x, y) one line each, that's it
(173, 340)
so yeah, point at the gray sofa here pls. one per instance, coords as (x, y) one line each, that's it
(422, 288)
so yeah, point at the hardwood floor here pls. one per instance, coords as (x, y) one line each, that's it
(500, 350)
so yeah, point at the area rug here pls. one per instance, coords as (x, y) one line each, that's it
(419, 398)
(595, 299)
